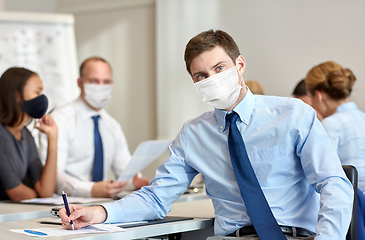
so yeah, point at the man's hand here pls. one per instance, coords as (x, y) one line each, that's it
(140, 182)
(82, 216)
(107, 188)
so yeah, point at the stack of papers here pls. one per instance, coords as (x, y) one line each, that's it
(48, 232)
(96, 228)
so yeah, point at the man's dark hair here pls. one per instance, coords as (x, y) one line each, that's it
(208, 40)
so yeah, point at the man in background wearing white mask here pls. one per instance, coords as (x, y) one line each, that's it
(85, 157)
(288, 153)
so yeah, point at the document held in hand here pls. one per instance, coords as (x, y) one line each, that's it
(146, 153)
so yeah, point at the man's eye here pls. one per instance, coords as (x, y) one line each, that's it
(201, 76)
(219, 68)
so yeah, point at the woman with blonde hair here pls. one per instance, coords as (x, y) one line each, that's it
(329, 86)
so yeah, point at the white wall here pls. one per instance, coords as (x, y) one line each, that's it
(280, 40)
(29, 5)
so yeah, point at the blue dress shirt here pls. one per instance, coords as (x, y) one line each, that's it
(290, 153)
(346, 129)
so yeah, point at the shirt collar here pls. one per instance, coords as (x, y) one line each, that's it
(85, 111)
(345, 107)
(243, 109)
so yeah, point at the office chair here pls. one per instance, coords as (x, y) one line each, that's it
(351, 174)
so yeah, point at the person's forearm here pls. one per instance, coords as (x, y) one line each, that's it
(47, 183)
(21, 192)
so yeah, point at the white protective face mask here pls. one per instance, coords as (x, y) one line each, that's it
(220, 90)
(98, 95)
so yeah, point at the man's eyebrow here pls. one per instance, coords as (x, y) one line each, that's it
(219, 63)
(214, 66)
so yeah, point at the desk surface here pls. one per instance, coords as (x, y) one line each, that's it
(201, 210)
(19, 211)
(22, 211)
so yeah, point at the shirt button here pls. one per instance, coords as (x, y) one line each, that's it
(245, 120)
(221, 127)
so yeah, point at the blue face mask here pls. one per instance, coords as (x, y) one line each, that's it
(36, 107)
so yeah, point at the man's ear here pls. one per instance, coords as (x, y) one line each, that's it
(79, 82)
(241, 64)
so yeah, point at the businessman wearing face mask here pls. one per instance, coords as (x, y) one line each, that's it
(268, 165)
(90, 141)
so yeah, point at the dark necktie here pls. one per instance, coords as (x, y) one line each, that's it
(98, 158)
(257, 207)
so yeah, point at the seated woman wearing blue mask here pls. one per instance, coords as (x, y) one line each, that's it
(22, 175)
(329, 86)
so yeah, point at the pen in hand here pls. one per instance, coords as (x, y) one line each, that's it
(67, 208)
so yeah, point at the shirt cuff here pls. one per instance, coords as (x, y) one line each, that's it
(130, 186)
(72, 185)
(112, 213)
(84, 189)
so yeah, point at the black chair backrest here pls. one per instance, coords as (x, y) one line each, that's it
(351, 174)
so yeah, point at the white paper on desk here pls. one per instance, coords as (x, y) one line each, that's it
(145, 154)
(57, 200)
(96, 228)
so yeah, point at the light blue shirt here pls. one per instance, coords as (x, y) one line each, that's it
(290, 153)
(346, 129)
